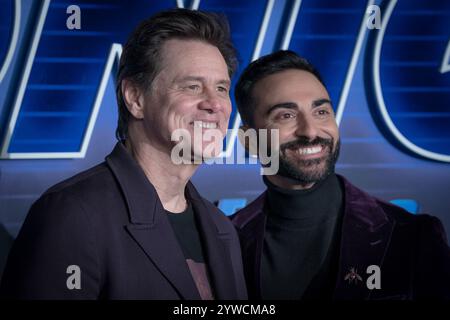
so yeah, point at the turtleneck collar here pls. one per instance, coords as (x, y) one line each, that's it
(309, 206)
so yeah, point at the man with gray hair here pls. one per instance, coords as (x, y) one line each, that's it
(134, 227)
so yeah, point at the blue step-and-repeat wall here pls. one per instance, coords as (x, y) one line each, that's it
(389, 82)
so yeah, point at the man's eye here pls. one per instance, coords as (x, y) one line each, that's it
(194, 87)
(222, 89)
(285, 116)
(323, 112)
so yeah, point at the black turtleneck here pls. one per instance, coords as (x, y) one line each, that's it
(301, 241)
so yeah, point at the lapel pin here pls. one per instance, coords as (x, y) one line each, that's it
(353, 276)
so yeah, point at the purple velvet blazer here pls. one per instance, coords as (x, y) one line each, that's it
(411, 250)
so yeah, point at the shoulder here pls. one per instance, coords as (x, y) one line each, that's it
(96, 178)
(422, 223)
(419, 225)
(74, 202)
(359, 203)
(94, 189)
(72, 197)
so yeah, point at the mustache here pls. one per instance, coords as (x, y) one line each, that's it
(306, 142)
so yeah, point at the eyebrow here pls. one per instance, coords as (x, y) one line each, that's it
(292, 105)
(202, 79)
(319, 102)
(284, 105)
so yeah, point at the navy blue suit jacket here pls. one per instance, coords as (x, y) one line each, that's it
(411, 250)
(110, 222)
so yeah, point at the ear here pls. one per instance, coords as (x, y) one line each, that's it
(133, 98)
(249, 139)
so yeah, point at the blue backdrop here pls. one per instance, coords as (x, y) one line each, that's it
(390, 87)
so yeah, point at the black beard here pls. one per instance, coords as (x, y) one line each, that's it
(293, 171)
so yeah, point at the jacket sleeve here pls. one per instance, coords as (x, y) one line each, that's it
(433, 261)
(54, 255)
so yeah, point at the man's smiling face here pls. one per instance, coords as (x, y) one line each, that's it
(297, 104)
(191, 89)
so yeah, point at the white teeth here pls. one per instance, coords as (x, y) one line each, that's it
(205, 125)
(313, 150)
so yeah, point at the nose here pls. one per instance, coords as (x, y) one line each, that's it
(306, 127)
(211, 102)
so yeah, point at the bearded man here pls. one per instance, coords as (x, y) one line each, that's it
(312, 234)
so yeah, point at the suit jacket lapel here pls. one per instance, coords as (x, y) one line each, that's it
(160, 245)
(149, 226)
(366, 232)
(217, 252)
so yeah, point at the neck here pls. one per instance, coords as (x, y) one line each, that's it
(308, 206)
(288, 183)
(168, 178)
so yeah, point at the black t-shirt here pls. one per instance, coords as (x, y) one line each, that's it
(186, 230)
(301, 241)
